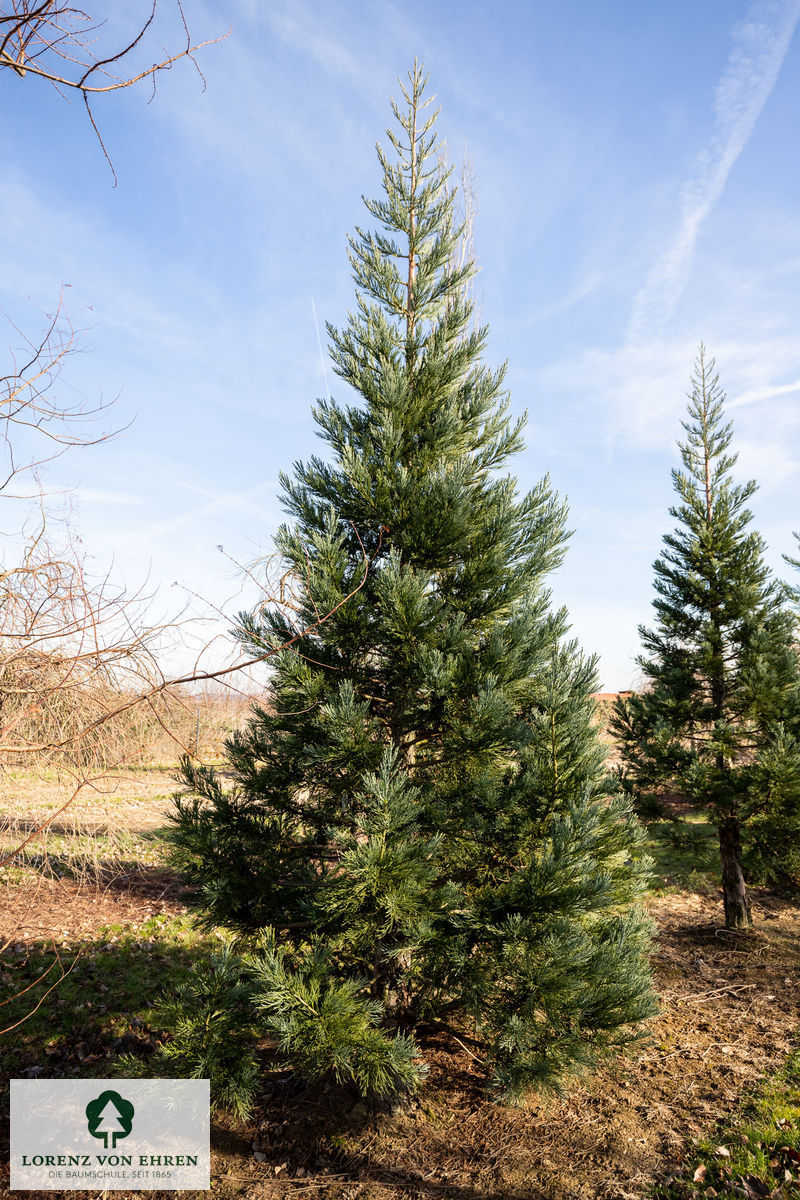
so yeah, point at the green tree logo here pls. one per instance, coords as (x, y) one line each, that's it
(109, 1116)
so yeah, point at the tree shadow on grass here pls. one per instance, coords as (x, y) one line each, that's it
(323, 1135)
(137, 880)
(72, 1011)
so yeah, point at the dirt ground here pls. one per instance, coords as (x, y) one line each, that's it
(730, 1006)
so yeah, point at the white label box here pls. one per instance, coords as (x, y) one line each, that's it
(110, 1134)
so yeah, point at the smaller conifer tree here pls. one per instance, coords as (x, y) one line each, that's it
(720, 717)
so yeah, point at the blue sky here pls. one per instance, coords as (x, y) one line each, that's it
(636, 181)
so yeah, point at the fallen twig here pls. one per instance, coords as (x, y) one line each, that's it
(699, 997)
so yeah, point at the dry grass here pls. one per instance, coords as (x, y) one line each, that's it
(88, 815)
(91, 831)
(173, 722)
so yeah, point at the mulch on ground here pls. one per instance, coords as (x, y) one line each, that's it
(729, 1009)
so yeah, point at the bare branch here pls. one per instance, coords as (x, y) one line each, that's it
(37, 37)
(56, 41)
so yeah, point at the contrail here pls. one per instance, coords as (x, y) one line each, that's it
(321, 355)
(760, 44)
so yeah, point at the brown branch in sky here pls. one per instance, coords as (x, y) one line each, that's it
(147, 694)
(57, 41)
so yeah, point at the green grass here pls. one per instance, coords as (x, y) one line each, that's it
(685, 853)
(102, 1007)
(763, 1147)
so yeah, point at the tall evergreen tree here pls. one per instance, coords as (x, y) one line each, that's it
(421, 826)
(720, 717)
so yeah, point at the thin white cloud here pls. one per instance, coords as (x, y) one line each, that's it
(245, 503)
(299, 27)
(760, 44)
(90, 495)
(770, 461)
(564, 303)
(641, 390)
(764, 393)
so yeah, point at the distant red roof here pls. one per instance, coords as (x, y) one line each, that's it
(608, 697)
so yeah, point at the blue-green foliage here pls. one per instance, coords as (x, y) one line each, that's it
(211, 1032)
(420, 819)
(719, 719)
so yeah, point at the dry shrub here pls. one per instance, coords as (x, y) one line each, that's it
(89, 724)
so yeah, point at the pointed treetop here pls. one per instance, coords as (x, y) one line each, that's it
(705, 484)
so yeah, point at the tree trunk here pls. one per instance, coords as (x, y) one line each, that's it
(734, 889)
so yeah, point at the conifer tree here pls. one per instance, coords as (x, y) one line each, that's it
(720, 717)
(421, 828)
